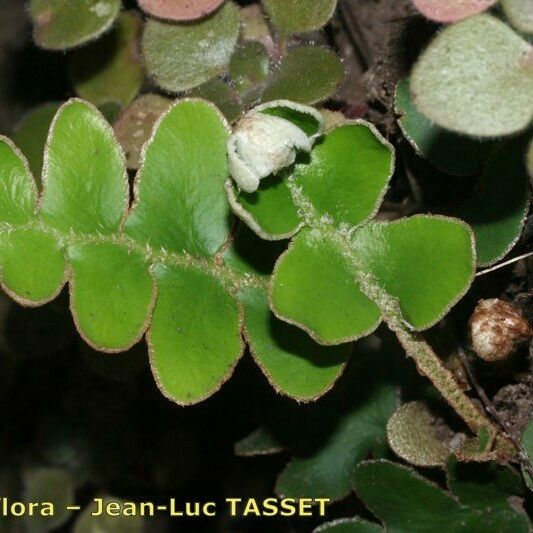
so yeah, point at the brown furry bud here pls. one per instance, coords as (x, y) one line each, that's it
(497, 329)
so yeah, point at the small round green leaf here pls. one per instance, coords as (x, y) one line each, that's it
(476, 77)
(88, 522)
(411, 435)
(449, 152)
(30, 135)
(18, 193)
(250, 65)
(348, 174)
(348, 525)
(294, 364)
(498, 211)
(519, 13)
(135, 124)
(451, 10)
(112, 294)
(179, 9)
(85, 186)
(327, 472)
(59, 25)
(269, 211)
(306, 75)
(408, 258)
(195, 336)
(314, 287)
(180, 202)
(183, 56)
(32, 266)
(299, 16)
(53, 485)
(110, 70)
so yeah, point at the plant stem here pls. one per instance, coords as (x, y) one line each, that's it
(432, 367)
(427, 362)
(415, 346)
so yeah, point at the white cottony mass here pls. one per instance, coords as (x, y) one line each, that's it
(263, 144)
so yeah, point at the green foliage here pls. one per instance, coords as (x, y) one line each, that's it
(173, 241)
(487, 488)
(222, 95)
(208, 341)
(327, 472)
(344, 313)
(209, 49)
(249, 65)
(451, 10)
(59, 25)
(110, 70)
(81, 192)
(406, 502)
(181, 208)
(299, 16)
(476, 78)
(411, 434)
(296, 364)
(363, 176)
(519, 13)
(182, 56)
(269, 211)
(498, 210)
(170, 265)
(30, 135)
(328, 438)
(27, 281)
(179, 11)
(293, 363)
(335, 193)
(449, 152)
(306, 75)
(110, 281)
(187, 46)
(387, 251)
